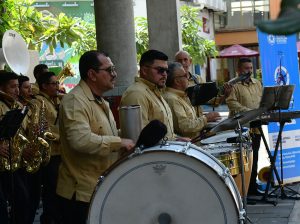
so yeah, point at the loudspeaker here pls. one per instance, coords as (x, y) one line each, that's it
(14, 53)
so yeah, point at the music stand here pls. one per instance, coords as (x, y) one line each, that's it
(9, 126)
(277, 98)
(201, 93)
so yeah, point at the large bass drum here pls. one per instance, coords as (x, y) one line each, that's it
(171, 183)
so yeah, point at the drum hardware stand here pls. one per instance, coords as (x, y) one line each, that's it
(9, 125)
(272, 167)
(241, 160)
(281, 185)
(280, 97)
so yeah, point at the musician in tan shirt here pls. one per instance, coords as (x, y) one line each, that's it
(46, 102)
(9, 91)
(246, 96)
(186, 121)
(147, 91)
(89, 137)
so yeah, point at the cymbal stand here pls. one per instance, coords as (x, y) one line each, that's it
(242, 170)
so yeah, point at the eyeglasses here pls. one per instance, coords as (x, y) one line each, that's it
(111, 70)
(182, 76)
(53, 83)
(160, 70)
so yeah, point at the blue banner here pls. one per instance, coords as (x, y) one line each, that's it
(279, 62)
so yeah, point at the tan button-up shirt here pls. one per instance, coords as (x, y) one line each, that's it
(89, 142)
(50, 111)
(153, 105)
(186, 122)
(244, 97)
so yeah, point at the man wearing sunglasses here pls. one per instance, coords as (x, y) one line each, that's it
(186, 121)
(89, 136)
(147, 91)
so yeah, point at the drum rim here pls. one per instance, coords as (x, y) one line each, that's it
(235, 194)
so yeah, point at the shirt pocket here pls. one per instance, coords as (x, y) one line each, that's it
(97, 127)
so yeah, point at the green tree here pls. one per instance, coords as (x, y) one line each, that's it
(141, 36)
(39, 27)
(198, 47)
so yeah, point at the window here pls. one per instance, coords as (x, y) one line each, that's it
(245, 13)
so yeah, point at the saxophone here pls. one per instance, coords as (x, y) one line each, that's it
(46, 134)
(18, 142)
(37, 138)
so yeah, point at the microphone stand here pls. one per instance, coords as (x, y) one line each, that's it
(242, 170)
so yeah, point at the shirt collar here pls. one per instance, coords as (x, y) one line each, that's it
(150, 85)
(176, 91)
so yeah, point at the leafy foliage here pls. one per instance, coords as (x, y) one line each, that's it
(141, 36)
(38, 27)
(198, 47)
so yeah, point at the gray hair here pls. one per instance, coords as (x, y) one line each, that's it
(172, 68)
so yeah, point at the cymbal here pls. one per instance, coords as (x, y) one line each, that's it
(243, 118)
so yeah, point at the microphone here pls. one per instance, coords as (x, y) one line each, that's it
(151, 134)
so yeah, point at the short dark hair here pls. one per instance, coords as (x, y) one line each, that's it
(242, 61)
(89, 60)
(45, 78)
(172, 68)
(39, 69)
(22, 79)
(149, 56)
(5, 77)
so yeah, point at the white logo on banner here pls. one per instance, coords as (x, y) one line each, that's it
(281, 76)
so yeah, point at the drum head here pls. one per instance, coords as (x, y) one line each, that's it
(160, 184)
(221, 137)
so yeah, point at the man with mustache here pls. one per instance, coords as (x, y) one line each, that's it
(246, 96)
(146, 91)
(89, 136)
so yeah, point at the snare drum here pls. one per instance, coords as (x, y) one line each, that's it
(229, 155)
(172, 183)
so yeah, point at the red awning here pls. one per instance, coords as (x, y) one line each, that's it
(237, 51)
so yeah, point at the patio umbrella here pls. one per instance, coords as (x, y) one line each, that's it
(237, 51)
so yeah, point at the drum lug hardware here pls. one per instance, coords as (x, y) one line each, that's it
(138, 151)
(101, 179)
(186, 147)
(226, 174)
(163, 142)
(242, 215)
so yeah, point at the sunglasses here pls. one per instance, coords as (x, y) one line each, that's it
(160, 70)
(111, 69)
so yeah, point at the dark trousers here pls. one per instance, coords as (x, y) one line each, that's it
(51, 212)
(14, 190)
(3, 205)
(73, 211)
(255, 147)
(34, 191)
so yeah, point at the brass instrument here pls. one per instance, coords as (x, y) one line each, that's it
(37, 137)
(46, 134)
(263, 174)
(67, 71)
(18, 142)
